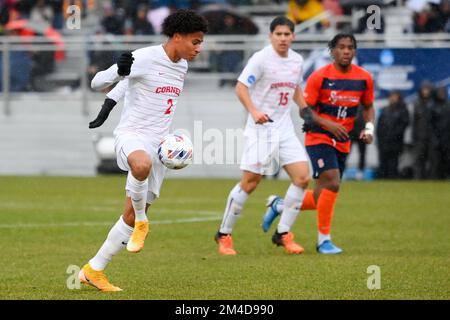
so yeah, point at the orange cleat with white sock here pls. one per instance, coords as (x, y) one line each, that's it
(286, 240)
(140, 232)
(96, 279)
(225, 243)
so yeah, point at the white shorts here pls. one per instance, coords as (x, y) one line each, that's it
(266, 151)
(125, 145)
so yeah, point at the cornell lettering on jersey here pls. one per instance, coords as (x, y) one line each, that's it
(168, 89)
(283, 84)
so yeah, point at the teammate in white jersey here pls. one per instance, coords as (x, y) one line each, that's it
(152, 80)
(267, 87)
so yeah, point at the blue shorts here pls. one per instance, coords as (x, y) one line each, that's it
(325, 157)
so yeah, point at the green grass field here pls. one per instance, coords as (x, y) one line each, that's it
(48, 224)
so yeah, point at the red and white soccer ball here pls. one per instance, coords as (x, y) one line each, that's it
(175, 151)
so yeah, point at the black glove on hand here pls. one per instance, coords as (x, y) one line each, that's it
(306, 127)
(124, 64)
(307, 115)
(107, 106)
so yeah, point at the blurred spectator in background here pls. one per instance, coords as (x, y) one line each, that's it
(130, 6)
(144, 17)
(159, 10)
(421, 130)
(5, 7)
(42, 61)
(113, 20)
(430, 17)
(440, 131)
(22, 10)
(391, 127)
(229, 60)
(58, 15)
(100, 59)
(42, 12)
(139, 24)
(223, 20)
(333, 6)
(20, 66)
(301, 10)
(444, 13)
(360, 123)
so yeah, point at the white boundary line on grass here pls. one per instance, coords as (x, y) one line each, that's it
(97, 208)
(96, 224)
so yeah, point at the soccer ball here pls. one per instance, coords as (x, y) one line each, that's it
(175, 151)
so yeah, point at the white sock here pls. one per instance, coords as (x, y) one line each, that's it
(138, 193)
(235, 202)
(322, 237)
(292, 204)
(117, 239)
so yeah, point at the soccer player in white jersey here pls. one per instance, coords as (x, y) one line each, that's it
(152, 79)
(267, 87)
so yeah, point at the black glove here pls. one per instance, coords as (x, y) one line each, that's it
(307, 115)
(107, 106)
(307, 127)
(124, 64)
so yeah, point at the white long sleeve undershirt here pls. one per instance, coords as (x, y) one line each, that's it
(106, 78)
(119, 91)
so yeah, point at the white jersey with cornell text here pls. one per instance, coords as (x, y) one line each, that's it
(272, 81)
(154, 86)
(151, 94)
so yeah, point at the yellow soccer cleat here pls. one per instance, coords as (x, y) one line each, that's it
(140, 232)
(97, 279)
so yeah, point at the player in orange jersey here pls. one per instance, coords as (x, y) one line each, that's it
(333, 94)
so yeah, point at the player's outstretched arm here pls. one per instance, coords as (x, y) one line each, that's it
(114, 96)
(107, 106)
(116, 72)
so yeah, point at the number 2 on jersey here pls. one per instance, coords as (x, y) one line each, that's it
(283, 98)
(170, 104)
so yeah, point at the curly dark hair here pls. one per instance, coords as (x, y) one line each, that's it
(333, 42)
(184, 22)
